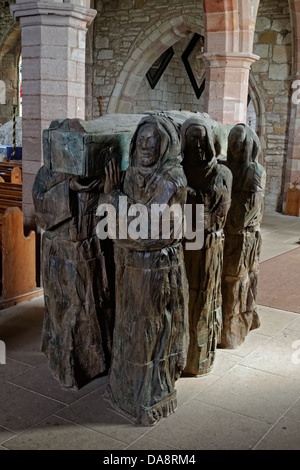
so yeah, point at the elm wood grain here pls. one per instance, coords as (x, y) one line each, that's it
(78, 278)
(151, 327)
(242, 237)
(209, 184)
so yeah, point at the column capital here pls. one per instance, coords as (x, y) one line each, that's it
(229, 59)
(48, 10)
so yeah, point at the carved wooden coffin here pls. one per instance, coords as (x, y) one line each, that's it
(82, 148)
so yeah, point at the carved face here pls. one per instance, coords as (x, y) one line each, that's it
(236, 142)
(147, 146)
(196, 146)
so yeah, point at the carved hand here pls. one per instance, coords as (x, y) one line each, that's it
(76, 186)
(112, 174)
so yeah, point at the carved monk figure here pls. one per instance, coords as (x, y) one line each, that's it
(242, 237)
(209, 184)
(77, 278)
(150, 337)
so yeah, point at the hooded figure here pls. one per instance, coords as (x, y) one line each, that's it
(78, 281)
(150, 337)
(209, 185)
(242, 237)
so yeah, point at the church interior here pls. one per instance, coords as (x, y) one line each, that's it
(237, 61)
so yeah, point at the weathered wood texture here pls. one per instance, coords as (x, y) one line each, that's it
(209, 185)
(18, 256)
(151, 327)
(80, 147)
(10, 189)
(78, 278)
(242, 237)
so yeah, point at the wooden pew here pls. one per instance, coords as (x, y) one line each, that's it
(17, 252)
(18, 259)
(10, 188)
(6, 169)
(10, 196)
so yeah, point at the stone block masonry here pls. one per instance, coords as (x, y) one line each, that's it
(271, 77)
(53, 69)
(128, 31)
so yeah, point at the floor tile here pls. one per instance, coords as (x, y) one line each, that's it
(294, 411)
(13, 369)
(188, 387)
(295, 325)
(95, 413)
(40, 380)
(5, 434)
(199, 426)
(147, 443)
(56, 433)
(24, 409)
(273, 320)
(251, 343)
(7, 390)
(252, 393)
(224, 362)
(284, 436)
(24, 346)
(277, 355)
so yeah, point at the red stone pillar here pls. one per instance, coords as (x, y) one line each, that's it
(53, 37)
(230, 26)
(292, 170)
(227, 82)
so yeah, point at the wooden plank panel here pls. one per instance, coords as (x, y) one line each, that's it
(18, 256)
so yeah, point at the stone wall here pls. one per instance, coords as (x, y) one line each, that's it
(6, 20)
(9, 53)
(174, 89)
(270, 77)
(120, 29)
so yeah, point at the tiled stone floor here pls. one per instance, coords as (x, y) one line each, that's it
(251, 400)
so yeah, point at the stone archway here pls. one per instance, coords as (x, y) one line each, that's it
(259, 106)
(230, 24)
(9, 54)
(147, 51)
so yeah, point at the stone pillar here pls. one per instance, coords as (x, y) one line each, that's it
(53, 37)
(292, 170)
(227, 82)
(230, 26)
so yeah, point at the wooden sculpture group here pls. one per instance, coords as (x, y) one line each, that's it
(146, 310)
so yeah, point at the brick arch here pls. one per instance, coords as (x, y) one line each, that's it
(153, 43)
